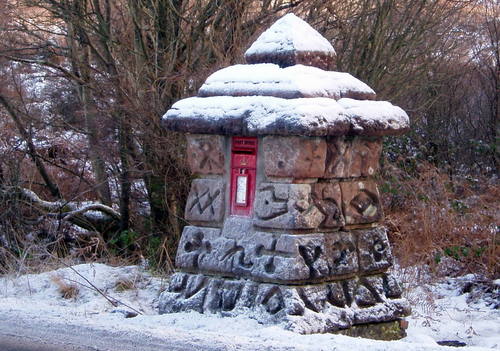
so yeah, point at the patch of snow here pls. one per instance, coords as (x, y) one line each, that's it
(442, 311)
(258, 115)
(379, 114)
(288, 34)
(36, 297)
(291, 82)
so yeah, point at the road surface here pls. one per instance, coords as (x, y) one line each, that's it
(20, 334)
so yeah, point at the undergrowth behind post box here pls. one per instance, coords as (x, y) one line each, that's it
(449, 223)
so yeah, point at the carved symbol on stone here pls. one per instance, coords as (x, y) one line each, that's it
(230, 296)
(205, 154)
(314, 155)
(327, 199)
(365, 203)
(343, 249)
(195, 284)
(373, 249)
(204, 200)
(369, 291)
(335, 295)
(392, 289)
(272, 253)
(311, 254)
(378, 250)
(304, 296)
(208, 160)
(337, 158)
(273, 300)
(197, 246)
(241, 260)
(270, 206)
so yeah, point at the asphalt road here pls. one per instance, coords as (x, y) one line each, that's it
(17, 343)
(18, 334)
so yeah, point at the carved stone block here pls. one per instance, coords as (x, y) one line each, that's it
(286, 206)
(195, 244)
(349, 158)
(205, 202)
(295, 157)
(315, 308)
(205, 153)
(342, 254)
(361, 202)
(328, 198)
(270, 257)
(373, 249)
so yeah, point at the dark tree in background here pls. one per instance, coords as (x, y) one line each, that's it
(85, 83)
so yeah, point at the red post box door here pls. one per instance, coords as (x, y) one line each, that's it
(243, 172)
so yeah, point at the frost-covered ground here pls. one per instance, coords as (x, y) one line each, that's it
(441, 312)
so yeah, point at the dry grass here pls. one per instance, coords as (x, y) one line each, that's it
(125, 284)
(67, 290)
(449, 224)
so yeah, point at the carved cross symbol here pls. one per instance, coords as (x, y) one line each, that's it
(208, 160)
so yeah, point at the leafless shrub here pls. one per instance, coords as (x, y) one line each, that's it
(450, 224)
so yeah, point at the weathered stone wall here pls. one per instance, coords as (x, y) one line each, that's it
(312, 249)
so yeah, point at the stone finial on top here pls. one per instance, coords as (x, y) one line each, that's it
(291, 41)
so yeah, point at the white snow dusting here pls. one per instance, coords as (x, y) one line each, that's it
(316, 116)
(37, 297)
(383, 114)
(270, 80)
(290, 33)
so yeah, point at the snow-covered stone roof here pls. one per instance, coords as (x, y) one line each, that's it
(291, 82)
(287, 41)
(263, 115)
(291, 95)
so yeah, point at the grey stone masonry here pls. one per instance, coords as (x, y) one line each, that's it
(284, 214)
(284, 258)
(304, 309)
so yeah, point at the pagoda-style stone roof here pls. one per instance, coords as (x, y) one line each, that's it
(290, 41)
(291, 82)
(286, 99)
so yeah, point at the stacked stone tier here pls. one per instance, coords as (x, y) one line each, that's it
(314, 218)
(315, 308)
(283, 258)
(311, 254)
(312, 184)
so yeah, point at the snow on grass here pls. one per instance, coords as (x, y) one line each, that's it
(449, 317)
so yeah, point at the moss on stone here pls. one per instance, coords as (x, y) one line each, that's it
(377, 331)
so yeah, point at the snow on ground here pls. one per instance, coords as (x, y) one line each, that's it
(441, 312)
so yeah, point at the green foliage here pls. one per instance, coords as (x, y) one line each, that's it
(124, 240)
(459, 206)
(153, 250)
(460, 253)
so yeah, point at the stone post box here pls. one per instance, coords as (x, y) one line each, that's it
(284, 214)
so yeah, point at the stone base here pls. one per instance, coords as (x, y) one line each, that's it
(318, 308)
